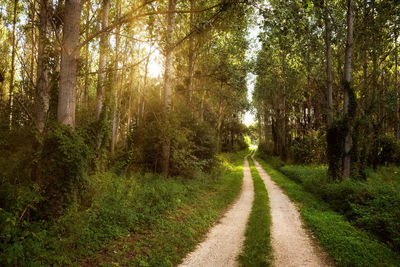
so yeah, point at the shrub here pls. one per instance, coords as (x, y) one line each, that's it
(388, 150)
(64, 161)
(372, 205)
(193, 145)
(309, 149)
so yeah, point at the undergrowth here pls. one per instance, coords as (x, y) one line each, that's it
(174, 230)
(162, 218)
(372, 205)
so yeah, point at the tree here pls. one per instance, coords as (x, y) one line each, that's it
(105, 9)
(70, 51)
(169, 57)
(348, 114)
(42, 101)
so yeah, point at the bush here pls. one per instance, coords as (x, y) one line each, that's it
(311, 177)
(309, 149)
(117, 206)
(274, 161)
(193, 145)
(373, 205)
(63, 163)
(387, 149)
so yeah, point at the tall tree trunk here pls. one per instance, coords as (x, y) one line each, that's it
(396, 84)
(105, 8)
(33, 41)
(86, 87)
(42, 78)
(166, 147)
(347, 77)
(70, 52)
(219, 125)
(328, 66)
(12, 73)
(114, 132)
(191, 52)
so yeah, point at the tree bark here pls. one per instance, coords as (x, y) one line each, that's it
(166, 147)
(328, 67)
(191, 53)
(114, 132)
(347, 77)
(33, 40)
(42, 79)
(12, 73)
(86, 88)
(70, 52)
(105, 8)
(396, 84)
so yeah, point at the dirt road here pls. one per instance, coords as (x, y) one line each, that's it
(225, 240)
(292, 245)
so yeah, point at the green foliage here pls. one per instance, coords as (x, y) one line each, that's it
(335, 148)
(345, 243)
(386, 150)
(373, 205)
(275, 162)
(63, 164)
(193, 144)
(257, 249)
(309, 149)
(114, 207)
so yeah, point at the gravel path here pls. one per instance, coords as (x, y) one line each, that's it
(225, 240)
(291, 244)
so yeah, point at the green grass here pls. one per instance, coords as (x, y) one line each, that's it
(166, 240)
(136, 219)
(346, 244)
(257, 247)
(372, 205)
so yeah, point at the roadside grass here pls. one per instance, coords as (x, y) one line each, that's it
(372, 204)
(345, 243)
(166, 239)
(257, 249)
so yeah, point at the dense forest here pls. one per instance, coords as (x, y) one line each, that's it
(327, 83)
(122, 131)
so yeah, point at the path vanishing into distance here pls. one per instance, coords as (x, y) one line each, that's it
(292, 245)
(225, 240)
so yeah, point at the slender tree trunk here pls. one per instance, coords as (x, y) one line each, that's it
(33, 41)
(114, 132)
(284, 117)
(396, 84)
(105, 8)
(347, 77)
(203, 96)
(12, 73)
(86, 90)
(219, 126)
(166, 147)
(265, 123)
(42, 78)
(70, 52)
(328, 66)
(191, 52)
(260, 134)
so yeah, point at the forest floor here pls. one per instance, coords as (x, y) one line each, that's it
(225, 240)
(292, 245)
